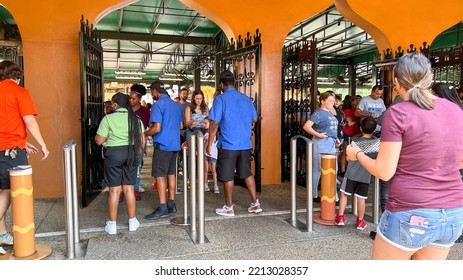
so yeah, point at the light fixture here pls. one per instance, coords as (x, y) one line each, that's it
(128, 77)
(170, 79)
(129, 73)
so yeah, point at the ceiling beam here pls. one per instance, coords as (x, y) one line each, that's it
(156, 38)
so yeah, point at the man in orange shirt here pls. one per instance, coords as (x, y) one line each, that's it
(17, 113)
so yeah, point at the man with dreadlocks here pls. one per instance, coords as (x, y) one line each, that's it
(123, 133)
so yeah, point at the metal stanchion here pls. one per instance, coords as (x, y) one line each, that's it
(355, 208)
(74, 246)
(183, 221)
(309, 206)
(197, 159)
(176, 176)
(376, 202)
(22, 208)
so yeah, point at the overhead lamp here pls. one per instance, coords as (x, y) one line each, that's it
(170, 79)
(129, 73)
(129, 77)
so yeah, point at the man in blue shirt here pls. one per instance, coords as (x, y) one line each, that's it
(167, 122)
(235, 114)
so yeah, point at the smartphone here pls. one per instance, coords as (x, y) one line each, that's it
(418, 221)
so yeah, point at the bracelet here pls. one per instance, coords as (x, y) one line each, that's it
(356, 155)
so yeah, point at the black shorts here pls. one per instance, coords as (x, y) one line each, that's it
(116, 170)
(164, 162)
(230, 160)
(358, 188)
(6, 162)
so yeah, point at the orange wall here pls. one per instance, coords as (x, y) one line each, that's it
(395, 23)
(49, 31)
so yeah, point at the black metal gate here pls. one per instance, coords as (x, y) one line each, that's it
(299, 76)
(91, 88)
(447, 65)
(244, 57)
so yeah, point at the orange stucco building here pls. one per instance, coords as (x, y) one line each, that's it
(49, 31)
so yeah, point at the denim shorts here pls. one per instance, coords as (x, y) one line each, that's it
(418, 228)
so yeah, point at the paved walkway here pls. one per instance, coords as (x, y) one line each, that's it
(264, 236)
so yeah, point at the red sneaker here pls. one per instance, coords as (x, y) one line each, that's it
(340, 220)
(361, 224)
(154, 186)
(137, 195)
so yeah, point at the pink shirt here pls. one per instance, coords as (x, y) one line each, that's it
(427, 174)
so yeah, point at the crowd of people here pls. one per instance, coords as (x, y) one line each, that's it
(414, 147)
(226, 126)
(420, 174)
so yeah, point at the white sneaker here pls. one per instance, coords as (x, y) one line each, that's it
(216, 189)
(255, 207)
(225, 211)
(141, 189)
(111, 227)
(133, 224)
(2, 251)
(6, 239)
(206, 188)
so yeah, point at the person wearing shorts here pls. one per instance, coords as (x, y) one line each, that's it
(424, 212)
(167, 120)
(357, 179)
(234, 113)
(123, 133)
(17, 118)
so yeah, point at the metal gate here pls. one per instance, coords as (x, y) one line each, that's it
(91, 88)
(447, 65)
(244, 58)
(299, 76)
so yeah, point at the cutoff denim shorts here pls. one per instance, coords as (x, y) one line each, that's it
(418, 228)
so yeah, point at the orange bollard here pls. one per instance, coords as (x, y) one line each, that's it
(22, 208)
(327, 214)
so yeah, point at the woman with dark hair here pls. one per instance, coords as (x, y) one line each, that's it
(420, 154)
(447, 91)
(195, 114)
(351, 128)
(123, 133)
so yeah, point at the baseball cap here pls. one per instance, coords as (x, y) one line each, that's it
(158, 86)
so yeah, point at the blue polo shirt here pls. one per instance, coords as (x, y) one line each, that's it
(166, 112)
(234, 112)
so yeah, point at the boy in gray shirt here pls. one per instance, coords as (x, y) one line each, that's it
(357, 178)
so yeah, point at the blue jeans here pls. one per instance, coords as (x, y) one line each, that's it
(320, 146)
(418, 228)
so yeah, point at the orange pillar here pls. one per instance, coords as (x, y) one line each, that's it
(22, 208)
(328, 191)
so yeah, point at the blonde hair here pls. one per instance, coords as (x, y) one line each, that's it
(413, 72)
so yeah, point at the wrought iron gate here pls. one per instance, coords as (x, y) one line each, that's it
(447, 65)
(299, 76)
(91, 88)
(243, 56)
